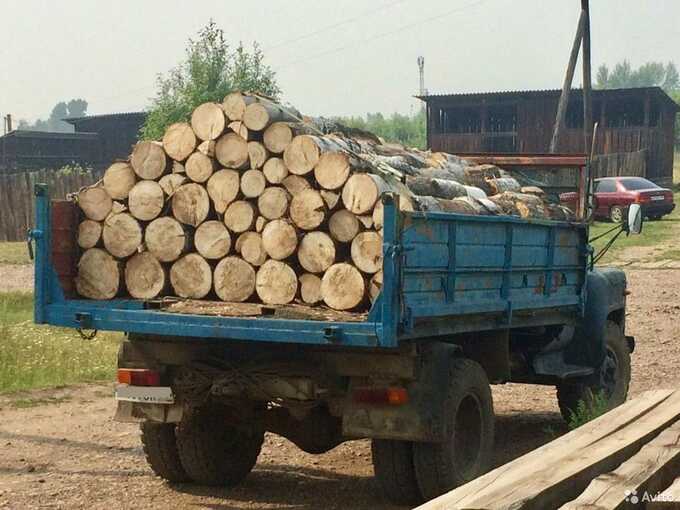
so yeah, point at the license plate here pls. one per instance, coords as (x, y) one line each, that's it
(657, 198)
(145, 394)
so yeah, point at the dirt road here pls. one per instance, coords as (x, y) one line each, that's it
(66, 452)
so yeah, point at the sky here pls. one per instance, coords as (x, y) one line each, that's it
(332, 57)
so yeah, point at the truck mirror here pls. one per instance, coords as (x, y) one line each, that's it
(634, 219)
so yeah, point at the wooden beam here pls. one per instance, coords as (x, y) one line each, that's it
(587, 80)
(560, 470)
(566, 86)
(649, 471)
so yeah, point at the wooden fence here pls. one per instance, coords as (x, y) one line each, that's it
(17, 201)
(620, 163)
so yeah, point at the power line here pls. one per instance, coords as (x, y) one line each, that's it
(334, 25)
(384, 34)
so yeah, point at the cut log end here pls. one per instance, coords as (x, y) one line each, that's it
(332, 170)
(179, 141)
(279, 239)
(273, 203)
(343, 287)
(367, 252)
(191, 204)
(146, 200)
(252, 248)
(234, 279)
(166, 239)
(307, 209)
(89, 234)
(191, 277)
(231, 150)
(360, 193)
(234, 105)
(343, 226)
(122, 235)
(239, 216)
(149, 160)
(375, 286)
(98, 275)
(199, 167)
(316, 252)
(310, 288)
(212, 240)
(223, 187)
(277, 137)
(208, 121)
(119, 179)
(95, 202)
(301, 155)
(145, 278)
(253, 183)
(276, 283)
(257, 154)
(275, 170)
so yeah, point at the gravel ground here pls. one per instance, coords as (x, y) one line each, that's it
(66, 452)
(16, 277)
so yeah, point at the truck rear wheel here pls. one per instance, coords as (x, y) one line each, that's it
(212, 451)
(612, 381)
(160, 448)
(394, 470)
(466, 452)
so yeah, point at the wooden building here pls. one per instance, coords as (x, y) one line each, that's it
(118, 132)
(97, 141)
(635, 127)
(35, 150)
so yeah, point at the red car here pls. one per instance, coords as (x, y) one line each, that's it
(613, 195)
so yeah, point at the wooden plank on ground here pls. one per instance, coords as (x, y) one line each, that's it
(668, 499)
(649, 471)
(559, 471)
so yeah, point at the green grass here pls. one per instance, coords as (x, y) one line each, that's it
(654, 234)
(14, 253)
(596, 405)
(33, 356)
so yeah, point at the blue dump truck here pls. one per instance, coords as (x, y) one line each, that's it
(467, 301)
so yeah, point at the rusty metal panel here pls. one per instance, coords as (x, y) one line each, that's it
(64, 250)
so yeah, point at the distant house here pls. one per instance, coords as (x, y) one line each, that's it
(635, 134)
(97, 141)
(118, 132)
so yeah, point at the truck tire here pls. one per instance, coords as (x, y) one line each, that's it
(393, 468)
(466, 453)
(160, 448)
(212, 451)
(613, 379)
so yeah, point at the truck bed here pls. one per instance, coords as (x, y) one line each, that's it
(444, 274)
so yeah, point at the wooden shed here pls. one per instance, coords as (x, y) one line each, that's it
(37, 149)
(118, 132)
(635, 134)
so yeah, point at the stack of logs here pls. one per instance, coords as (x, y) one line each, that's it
(246, 203)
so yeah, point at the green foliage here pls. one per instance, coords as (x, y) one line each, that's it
(34, 356)
(209, 72)
(408, 130)
(651, 74)
(596, 404)
(14, 253)
(62, 110)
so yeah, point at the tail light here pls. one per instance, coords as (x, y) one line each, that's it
(393, 396)
(640, 198)
(139, 377)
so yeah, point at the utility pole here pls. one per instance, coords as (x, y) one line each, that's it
(421, 70)
(587, 81)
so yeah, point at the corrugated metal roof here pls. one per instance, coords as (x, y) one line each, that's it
(21, 133)
(549, 92)
(72, 120)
